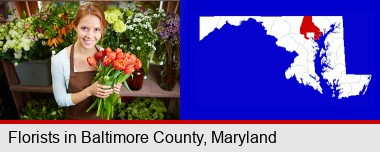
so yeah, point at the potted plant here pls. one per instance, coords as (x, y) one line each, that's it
(29, 42)
(116, 27)
(140, 33)
(169, 32)
(43, 109)
(132, 29)
(55, 26)
(19, 38)
(142, 109)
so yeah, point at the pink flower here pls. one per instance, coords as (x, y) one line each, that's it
(39, 30)
(44, 17)
(27, 25)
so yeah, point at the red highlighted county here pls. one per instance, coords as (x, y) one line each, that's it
(308, 26)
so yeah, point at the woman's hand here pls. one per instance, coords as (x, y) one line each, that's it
(101, 91)
(116, 88)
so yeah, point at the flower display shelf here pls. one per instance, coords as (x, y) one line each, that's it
(150, 87)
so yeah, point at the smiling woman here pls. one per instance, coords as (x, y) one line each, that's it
(71, 74)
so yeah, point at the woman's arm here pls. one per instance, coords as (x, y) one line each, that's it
(95, 89)
(65, 99)
(61, 96)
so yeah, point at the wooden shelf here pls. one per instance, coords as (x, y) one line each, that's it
(150, 87)
(24, 88)
(20, 93)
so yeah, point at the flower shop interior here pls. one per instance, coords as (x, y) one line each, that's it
(32, 32)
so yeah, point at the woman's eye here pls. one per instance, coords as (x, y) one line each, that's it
(97, 29)
(84, 28)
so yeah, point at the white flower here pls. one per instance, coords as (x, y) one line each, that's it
(17, 54)
(9, 44)
(26, 47)
(40, 35)
(5, 48)
(13, 33)
(138, 48)
(20, 24)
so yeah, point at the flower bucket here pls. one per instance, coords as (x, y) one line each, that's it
(170, 73)
(35, 72)
(137, 81)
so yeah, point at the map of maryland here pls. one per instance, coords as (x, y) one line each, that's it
(319, 43)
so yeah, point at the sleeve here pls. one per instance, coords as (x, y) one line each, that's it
(61, 96)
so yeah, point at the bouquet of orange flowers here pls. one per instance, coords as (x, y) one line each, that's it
(115, 67)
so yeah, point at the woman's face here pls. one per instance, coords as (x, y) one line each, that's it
(89, 31)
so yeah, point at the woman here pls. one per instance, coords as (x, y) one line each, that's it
(71, 73)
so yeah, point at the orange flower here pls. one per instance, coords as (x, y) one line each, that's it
(132, 59)
(59, 32)
(111, 55)
(113, 71)
(106, 50)
(60, 40)
(91, 61)
(138, 64)
(64, 31)
(120, 56)
(129, 69)
(119, 64)
(71, 25)
(106, 61)
(52, 41)
(127, 55)
(118, 50)
(49, 43)
(54, 27)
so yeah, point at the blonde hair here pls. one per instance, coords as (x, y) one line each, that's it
(89, 8)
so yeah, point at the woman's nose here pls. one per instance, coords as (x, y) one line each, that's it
(90, 34)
